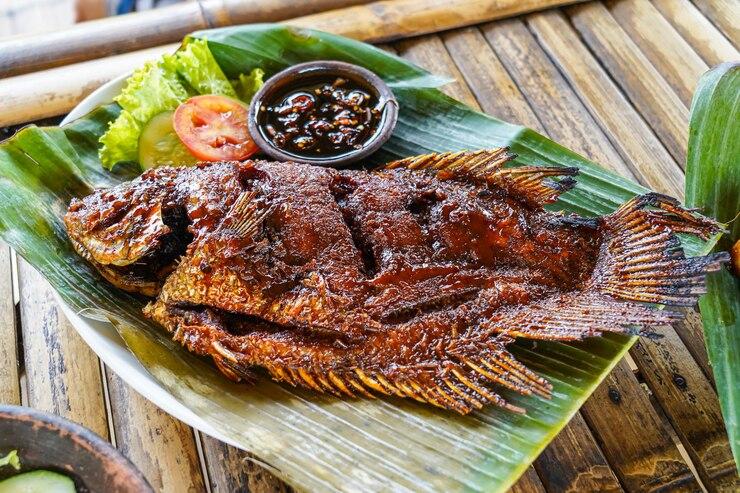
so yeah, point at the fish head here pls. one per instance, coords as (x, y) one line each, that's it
(123, 229)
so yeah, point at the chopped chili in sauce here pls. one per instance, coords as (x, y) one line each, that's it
(322, 118)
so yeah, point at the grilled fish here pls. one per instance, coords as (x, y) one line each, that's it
(411, 280)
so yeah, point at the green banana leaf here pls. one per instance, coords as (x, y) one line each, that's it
(713, 184)
(319, 442)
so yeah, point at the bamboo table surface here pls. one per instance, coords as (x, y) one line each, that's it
(611, 80)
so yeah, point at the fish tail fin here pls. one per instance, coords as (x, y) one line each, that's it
(535, 184)
(641, 263)
(642, 258)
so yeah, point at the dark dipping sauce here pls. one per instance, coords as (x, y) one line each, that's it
(322, 117)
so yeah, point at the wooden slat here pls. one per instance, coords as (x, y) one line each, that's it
(724, 14)
(630, 433)
(669, 53)
(112, 35)
(649, 92)
(62, 373)
(231, 470)
(529, 482)
(691, 332)
(557, 107)
(696, 29)
(388, 20)
(689, 401)
(10, 390)
(483, 72)
(629, 133)
(162, 447)
(572, 464)
(430, 53)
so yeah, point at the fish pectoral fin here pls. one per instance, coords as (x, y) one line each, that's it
(644, 260)
(246, 215)
(537, 184)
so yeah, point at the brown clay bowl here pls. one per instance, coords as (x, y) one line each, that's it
(46, 441)
(280, 82)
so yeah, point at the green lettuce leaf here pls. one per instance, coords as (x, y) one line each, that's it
(152, 89)
(199, 69)
(11, 460)
(248, 84)
(121, 141)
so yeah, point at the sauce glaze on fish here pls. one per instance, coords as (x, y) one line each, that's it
(410, 280)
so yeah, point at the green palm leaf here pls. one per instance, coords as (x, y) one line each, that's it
(319, 442)
(713, 184)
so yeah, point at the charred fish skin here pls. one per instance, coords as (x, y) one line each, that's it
(411, 280)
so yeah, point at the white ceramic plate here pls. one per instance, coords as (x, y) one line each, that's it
(102, 337)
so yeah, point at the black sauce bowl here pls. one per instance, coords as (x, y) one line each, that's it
(49, 442)
(276, 85)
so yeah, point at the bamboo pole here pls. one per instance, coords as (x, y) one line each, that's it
(55, 91)
(396, 19)
(125, 33)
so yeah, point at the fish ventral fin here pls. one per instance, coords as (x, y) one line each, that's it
(641, 263)
(535, 184)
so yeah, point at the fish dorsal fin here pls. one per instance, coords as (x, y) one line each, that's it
(536, 184)
(475, 164)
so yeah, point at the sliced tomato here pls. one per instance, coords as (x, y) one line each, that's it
(214, 128)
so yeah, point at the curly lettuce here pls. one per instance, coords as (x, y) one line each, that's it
(196, 65)
(161, 86)
(248, 84)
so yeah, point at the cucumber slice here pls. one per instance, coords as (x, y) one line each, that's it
(159, 145)
(38, 482)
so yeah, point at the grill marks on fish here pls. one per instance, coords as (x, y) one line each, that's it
(408, 281)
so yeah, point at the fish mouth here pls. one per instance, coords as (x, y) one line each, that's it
(158, 256)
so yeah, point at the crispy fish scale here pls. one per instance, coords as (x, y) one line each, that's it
(283, 253)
